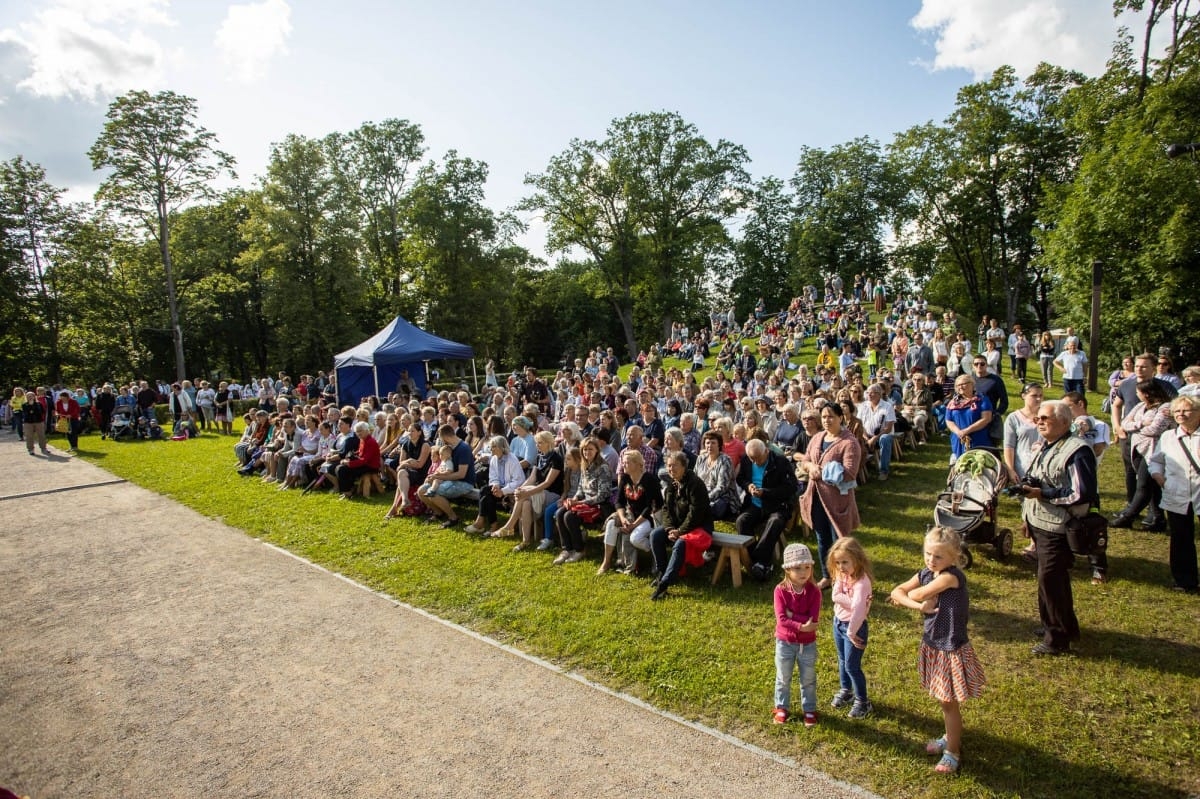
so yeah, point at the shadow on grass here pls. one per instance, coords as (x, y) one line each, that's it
(1012, 768)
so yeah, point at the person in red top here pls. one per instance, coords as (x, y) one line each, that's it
(364, 461)
(68, 408)
(797, 608)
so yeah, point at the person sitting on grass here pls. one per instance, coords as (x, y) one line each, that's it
(458, 481)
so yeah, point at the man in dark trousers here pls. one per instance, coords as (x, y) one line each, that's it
(1123, 401)
(990, 386)
(769, 484)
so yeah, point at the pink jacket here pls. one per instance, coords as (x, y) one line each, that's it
(805, 606)
(842, 508)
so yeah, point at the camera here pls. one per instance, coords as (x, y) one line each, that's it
(1017, 489)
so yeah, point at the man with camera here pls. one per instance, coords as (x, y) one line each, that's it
(1059, 485)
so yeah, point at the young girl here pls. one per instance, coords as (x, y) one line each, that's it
(848, 567)
(797, 606)
(947, 664)
(443, 465)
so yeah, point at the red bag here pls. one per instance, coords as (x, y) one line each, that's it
(588, 514)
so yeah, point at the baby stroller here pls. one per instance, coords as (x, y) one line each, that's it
(968, 505)
(121, 426)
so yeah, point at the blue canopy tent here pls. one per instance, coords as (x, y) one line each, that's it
(374, 366)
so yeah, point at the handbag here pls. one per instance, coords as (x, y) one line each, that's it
(588, 514)
(62, 425)
(1087, 534)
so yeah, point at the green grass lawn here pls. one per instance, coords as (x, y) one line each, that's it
(1118, 718)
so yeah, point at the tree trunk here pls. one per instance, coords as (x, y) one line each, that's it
(164, 245)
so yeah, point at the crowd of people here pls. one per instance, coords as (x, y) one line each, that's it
(800, 409)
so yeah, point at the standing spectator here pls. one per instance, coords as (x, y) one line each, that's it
(206, 404)
(1046, 353)
(67, 408)
(829, 506)
(991, 386)
(105, 403)
(1071, 362)
(34, 423)
(1064, 483)
(1175, 467)
(1144, 424)
(1021, 350)
(1124, 398)
(147, 398)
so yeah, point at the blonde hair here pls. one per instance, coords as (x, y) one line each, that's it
(851, 547)
(944, 537)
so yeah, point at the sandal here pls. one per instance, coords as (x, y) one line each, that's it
(936, 746)
(948, 764)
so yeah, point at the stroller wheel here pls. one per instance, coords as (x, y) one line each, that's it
(1003, 544)
(970, 558)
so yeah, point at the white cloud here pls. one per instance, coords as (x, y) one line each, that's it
(253, 34)
(982, 35)
(86, 49)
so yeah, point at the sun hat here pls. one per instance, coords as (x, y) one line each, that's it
(797, 555)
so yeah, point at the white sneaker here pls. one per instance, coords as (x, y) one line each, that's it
(544, 545)
(575, 557)
(562, 557)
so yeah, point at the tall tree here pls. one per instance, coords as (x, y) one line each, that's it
(303, 241)
(35, 217)
(764, 261)
(648, 203)
(844, 200)
(160, 159)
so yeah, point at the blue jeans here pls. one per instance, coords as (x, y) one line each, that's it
(667, 564)
(885, 452)
(548, 520)
(787, 657)
(1072, 385)
(850, 673)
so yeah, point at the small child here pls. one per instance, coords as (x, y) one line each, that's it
(572, 474)
(443, 465)
(850, 570)
(949, 669)
(797, 606)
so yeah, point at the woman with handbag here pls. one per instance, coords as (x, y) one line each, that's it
(68, 412)
(591, 503)
(1175, 467)
(1145, 423)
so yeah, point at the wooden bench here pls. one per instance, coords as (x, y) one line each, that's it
(368, 483)
(733, 555)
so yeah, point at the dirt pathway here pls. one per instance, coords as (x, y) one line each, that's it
(146, 651)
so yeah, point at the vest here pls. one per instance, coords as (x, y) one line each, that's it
(1051, 469)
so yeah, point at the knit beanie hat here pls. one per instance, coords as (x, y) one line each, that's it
(796, 555)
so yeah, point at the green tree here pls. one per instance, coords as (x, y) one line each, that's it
(303, 241)
(844, 199)
(649, 205)
(1130, 206)
(764, 261)
(35, 218)
(160, 159)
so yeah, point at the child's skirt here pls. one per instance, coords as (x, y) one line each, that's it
(951, 676)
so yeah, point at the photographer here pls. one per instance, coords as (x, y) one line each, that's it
(1059, 485)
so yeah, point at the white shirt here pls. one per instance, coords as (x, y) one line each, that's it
(874, 419)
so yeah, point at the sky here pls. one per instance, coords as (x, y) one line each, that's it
(511, 83)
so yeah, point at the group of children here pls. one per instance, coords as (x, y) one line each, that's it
(947, 665)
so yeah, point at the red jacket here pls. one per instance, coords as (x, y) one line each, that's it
(68, 408)
(367, 455)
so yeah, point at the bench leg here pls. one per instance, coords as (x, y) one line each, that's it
(742, 559)
(722, 556)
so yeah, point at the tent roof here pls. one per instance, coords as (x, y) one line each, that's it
(401, 341)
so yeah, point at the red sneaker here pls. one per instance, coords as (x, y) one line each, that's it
(780, 716)
(810, 719)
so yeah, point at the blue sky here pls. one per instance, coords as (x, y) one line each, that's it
(510, 83)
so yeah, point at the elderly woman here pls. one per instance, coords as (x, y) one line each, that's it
(1145, 423)
(638, 497)
(1175, 468)
(364, 461)
(716, 472)
(829, 505)
(505, 476)
(590, 503)
(687, 526)
(968, 416)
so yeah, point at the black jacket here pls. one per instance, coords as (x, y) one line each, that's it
(778, 485)
(686, 504)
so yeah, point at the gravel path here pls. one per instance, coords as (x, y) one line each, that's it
(150, 652)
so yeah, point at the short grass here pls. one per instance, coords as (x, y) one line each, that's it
(1119, 718)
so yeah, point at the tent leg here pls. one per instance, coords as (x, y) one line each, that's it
(375, 375)
(475, 375)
